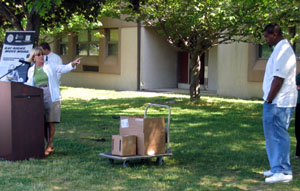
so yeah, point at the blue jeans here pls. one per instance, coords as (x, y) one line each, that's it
(276, 121)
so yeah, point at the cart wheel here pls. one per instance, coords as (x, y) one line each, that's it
(125, 163)
(111, 161)
(160, 161)
(145, 160)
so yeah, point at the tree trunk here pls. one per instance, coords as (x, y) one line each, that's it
(194, 75)
(34, 24)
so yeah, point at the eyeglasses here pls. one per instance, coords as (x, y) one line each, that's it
(39, 54)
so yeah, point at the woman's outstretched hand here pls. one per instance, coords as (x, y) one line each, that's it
(76, 62)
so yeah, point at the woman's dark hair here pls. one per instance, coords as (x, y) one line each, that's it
(273, 28)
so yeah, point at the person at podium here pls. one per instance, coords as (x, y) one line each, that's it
(44, 76)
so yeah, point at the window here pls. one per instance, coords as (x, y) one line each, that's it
(87, 43)
(63, 46)
(87, 68)
(109, 56)
(112, 38)
(265, 51)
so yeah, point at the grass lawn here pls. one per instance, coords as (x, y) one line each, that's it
(217, 144)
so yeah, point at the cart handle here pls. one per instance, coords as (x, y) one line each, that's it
(158, 105)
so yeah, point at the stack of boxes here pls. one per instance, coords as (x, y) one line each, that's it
(140, 136)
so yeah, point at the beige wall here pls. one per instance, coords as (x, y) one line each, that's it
(212, 83)
(230, 65)
(158, 61)
(126, 80)
(239, 70)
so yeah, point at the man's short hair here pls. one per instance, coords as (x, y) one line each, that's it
(273, 28)
(45, 46)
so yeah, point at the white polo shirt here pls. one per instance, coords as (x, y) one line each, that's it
(282, 63)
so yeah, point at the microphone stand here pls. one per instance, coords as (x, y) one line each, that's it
(11, 70)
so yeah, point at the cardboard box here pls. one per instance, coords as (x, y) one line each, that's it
(124, 145)
(150, 132)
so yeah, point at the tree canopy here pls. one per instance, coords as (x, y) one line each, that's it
(52, 16)
(195, 26)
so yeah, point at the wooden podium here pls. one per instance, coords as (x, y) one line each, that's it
(21, 121)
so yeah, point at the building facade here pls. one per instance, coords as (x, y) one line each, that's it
(134, 57)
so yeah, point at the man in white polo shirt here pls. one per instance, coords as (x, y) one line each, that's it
(51, 58)
(280, 95)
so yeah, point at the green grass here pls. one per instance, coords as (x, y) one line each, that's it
(218, 144)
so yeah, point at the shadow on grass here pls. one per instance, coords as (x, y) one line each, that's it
(218, 143)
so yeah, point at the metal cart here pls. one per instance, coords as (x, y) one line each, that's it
(159, 157)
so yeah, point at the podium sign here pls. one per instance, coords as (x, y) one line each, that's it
(22, 121)
(17, 46)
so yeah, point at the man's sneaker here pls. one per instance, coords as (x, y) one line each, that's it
(279, 177)
(268, 173)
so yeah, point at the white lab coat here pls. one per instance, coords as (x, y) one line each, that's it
(51, 71)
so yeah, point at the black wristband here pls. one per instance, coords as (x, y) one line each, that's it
(268, 102)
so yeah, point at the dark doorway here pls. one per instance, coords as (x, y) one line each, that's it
(201, 75)
(183, 68)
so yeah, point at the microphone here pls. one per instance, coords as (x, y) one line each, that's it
(25, 62)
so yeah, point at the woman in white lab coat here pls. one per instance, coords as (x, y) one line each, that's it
(45, 76)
